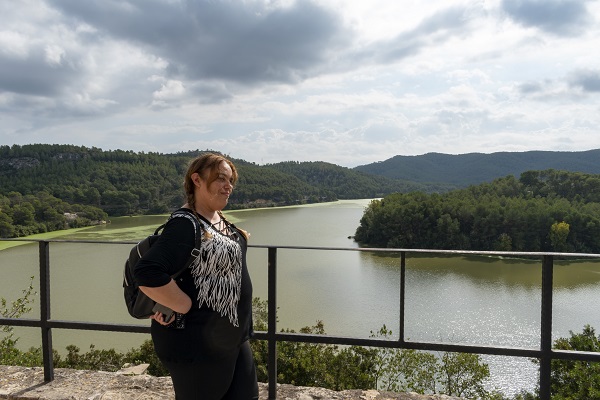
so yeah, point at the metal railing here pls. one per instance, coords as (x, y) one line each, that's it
(545, 354)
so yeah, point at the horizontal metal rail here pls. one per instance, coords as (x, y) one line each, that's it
(545, 353)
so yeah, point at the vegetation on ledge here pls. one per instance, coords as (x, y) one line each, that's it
(334, 367)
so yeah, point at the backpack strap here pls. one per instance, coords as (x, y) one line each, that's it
(184, 213)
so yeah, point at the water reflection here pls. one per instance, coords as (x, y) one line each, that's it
(523, 273)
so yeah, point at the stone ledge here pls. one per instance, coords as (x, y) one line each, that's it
(21, 383)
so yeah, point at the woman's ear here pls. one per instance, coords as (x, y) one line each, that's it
(196, 179)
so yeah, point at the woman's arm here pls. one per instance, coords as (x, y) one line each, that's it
(169, 295)
(166, 257)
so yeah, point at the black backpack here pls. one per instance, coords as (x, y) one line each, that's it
(138, 304)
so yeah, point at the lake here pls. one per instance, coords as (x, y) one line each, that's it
(459, 299)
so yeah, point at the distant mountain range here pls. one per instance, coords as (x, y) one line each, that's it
(474, 168)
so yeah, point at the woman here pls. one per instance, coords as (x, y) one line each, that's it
(205, 344)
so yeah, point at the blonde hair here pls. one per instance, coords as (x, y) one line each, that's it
(207, 166)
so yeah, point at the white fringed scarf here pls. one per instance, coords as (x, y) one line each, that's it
(217, 273)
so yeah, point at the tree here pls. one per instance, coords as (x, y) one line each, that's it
(571, 380)
(23, 214)
(352, 368)
(463, 374)
(6, 225)
(306, 364)
(453, 374)
(559, 232)
(504, 242)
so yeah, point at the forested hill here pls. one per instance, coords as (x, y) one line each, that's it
(541, 211)
(352, 184)
(473, 168)
(125, 182)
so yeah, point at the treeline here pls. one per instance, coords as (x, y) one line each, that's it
(546, 210)
(125, 182)
(118, 182)
(30, 214)
(260, 186)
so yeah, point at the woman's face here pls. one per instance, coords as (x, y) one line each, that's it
(215, 195)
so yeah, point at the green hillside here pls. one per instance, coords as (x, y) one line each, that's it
(347, 183)
(125, 182)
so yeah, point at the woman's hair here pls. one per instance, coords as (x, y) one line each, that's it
(207, 166)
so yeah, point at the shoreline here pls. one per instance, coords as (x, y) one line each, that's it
(6, 243)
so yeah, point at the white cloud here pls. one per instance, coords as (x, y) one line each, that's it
(170, 91)
(349, 82)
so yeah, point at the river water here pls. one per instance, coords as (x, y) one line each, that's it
(467, 300)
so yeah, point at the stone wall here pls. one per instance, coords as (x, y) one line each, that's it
(20, 383)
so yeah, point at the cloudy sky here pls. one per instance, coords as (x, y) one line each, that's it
(349, 82)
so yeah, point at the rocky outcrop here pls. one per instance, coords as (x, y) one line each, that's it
(20, 162)
(20, 383)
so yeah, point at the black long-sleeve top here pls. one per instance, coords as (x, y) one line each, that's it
(215, 324)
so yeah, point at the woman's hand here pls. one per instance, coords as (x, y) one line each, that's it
(159, 317)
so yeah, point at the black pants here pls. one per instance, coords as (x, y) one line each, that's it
(229, 379)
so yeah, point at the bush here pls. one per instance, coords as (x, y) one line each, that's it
(9, 355)
(355, 367)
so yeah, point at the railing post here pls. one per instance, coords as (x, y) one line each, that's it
(272, 322)
(402, 293)
(546, 327)
(45, 311)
